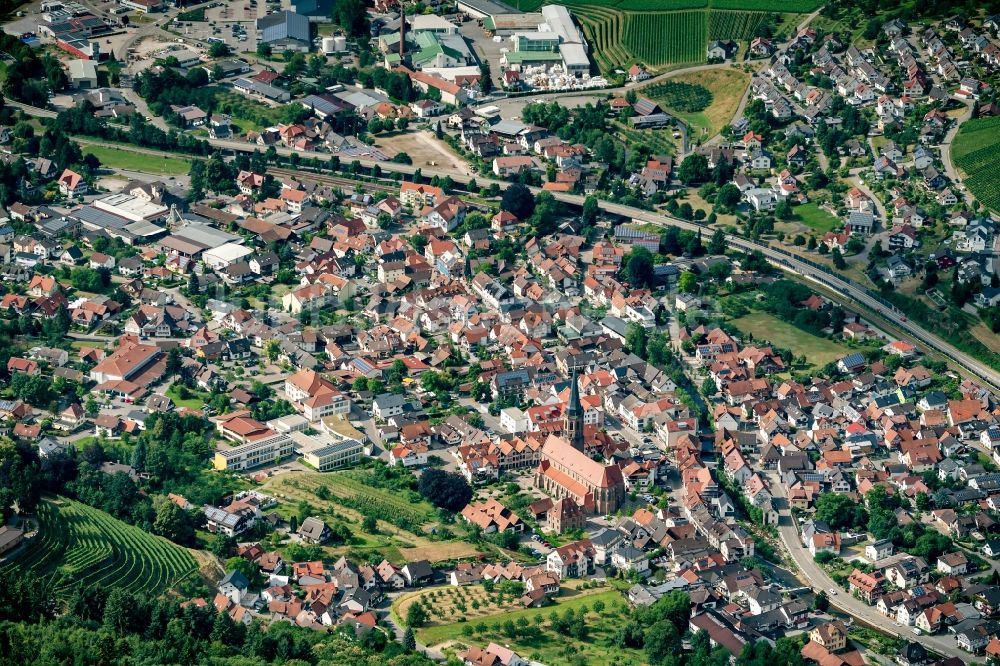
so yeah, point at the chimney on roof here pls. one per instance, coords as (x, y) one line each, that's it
(402, 31)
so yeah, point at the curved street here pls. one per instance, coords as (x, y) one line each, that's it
(818, 579)
(949, 166)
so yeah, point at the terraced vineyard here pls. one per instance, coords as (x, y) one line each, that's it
(975, 152)
(795, 6)
(603, 28)
(80, 544)
(658, 40)
(666, 34)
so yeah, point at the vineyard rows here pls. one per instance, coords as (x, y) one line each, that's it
(603, 29)
(667, 39)
(81, 544)
(733, 25)
(975, 152)
(791, 6)
(659, 39)
(375, 502)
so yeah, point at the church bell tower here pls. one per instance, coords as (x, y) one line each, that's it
(573, 419)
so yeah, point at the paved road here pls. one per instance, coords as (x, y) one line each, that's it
(30, 110)
(777, 256)
(856, 295)
(949, 166)
(818, 579)
(140, 104)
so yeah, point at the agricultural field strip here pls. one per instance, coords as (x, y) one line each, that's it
(974, 152)
(792, 6)
(733, 24)
(366, 500)
(621, 37)
(668, 38)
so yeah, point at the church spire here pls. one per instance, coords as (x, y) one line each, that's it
(573, 419)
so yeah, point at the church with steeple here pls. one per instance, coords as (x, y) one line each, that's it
(565, 471)
(573, 417)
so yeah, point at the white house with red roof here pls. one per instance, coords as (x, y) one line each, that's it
(72, 184)
(315, 395)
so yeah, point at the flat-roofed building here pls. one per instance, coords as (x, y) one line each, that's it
(131, 208)
(334, 456)
(507, 24)
(144, 6)
(268, 448)
(535, 41)
(225, 255)
(116, 226)
(341, 428)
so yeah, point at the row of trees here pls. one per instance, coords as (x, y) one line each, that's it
(81, 120)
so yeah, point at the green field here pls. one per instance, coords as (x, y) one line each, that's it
(816, 218)
(660, 40)
(80, 544)
(550, 647)
(667, 34)
(974, 152)
(404, 519)
(115, 158)
(768, 328)
(797, 6)
(733, 25)
(195, 399)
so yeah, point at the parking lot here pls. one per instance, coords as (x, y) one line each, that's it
(234, 23)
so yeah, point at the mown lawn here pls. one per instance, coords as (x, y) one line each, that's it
(816, 218)
(193, 401)
(551, 647)
(767, 328)
(115, 158)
